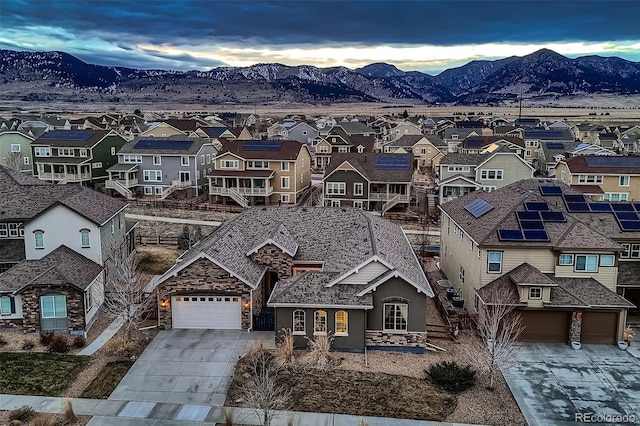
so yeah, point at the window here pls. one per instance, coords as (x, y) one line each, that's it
(83, 152)
(360, 149)
(202, 160)
(88, 299)
(626, 248)
(615, 196)
(229, 164)
(590, 179)
(607, 260)
(586, 263)
(285, 182)
(113, 227)
(208, 158)
(97, 165)
(148, 190)
(184, 160)
(284, 166)
(39, 239)
(53, 306)
(26, 160)
(635, 251)
(257, 165)
(15, 147)
(284, 198)
(624, 181)
(42, 151)
(157, 160)
(494, 260)
(342, 323)
(358, 189)
(464, 169)
(113, 150)
(458, 231)
(566, 259)
(323, 149)
(358, 204)
(395, 316)
(461, 274)
(336, 188)
(157, 190)
(343, 149)
(491, 174)
(84, 237)
(319, 322)
(7, 305)
(423, 151)
(535, 293)
(132, 158)
(298, 321)
(11, 230)
(152, 175)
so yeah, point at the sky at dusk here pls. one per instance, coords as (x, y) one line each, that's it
(427, 36)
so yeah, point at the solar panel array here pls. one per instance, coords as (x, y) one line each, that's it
(550, 190)
(612, 161)
(392, 163)
(537, 206)
(478, 207)
(555, 145)
(262, 146)
(170, 144)
(67, 135)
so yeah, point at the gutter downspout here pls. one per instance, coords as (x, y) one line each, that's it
(250, 329)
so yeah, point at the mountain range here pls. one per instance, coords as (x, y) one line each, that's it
(542, 75)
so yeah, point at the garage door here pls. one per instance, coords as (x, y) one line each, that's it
(599, 327)
(545, 326)
(204, 311)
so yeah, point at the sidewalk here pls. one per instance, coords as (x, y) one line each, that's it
(137, 413)
(104, 337)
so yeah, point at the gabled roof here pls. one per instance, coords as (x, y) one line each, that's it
(149, 145)
(366, 165)
(280, 237)
(288, 150)
(604, 164)
(407, 140)
(184, 125)
(73, 138)
(62, 266)
(463, 159)
(354, 127)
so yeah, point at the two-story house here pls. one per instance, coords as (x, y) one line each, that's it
(175, 165)
(618, 177)
(260, 172)
(453, 137)
(541, 246)
(15, 149)
(368, 181)
(339, 141)
(75, 156)
(363, 284)
(463, 173)
(59, 244)
(427, 150)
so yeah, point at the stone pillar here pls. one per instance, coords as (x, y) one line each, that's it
(575, 327)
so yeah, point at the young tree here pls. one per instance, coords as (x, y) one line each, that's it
(14, 160)
(500, 325)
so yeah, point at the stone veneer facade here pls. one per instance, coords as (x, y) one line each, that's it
(275, 259)
(575, 327)
(380, 338)
(203, 276)
(30, 321)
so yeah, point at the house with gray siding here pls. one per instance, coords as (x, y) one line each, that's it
(363, 285)
(152, 166)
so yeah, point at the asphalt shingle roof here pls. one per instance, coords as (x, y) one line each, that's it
(365, 164)
(310, 288)
(194, 148)
(289, 150)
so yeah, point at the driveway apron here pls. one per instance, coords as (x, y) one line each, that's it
(188, 366)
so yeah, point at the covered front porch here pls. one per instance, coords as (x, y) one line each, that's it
(456, 187)
(246, 188)
(122, 178)
(65, 170)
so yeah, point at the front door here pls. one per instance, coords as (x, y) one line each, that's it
(53, 312)
(184, 177)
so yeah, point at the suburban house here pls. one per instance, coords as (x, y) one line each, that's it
(339, 141)
(427, 150)
(535, 138)
(543, 247)
(164, 166)
(453, 137)
(260, 172)
(364, 284)
(463, 173)
(58, 245)
(403, 128)
(618, 177)
(368, 181)
(173, 127)
(482, 144)
(296, 130)
(15, 150)
(75, 156)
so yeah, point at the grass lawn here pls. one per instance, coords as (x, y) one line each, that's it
(38, 373)
(107, 379)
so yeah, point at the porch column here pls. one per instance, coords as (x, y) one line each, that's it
(575, 327)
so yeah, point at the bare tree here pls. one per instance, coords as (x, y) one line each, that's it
(500, 326)
(14, 160)
(126, 291)
(260, 390)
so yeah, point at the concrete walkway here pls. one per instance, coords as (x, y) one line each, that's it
(136, 413)
(104, 337)
(172, 220)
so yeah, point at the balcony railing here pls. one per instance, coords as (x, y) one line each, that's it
(65, 176)
(383, 196)
(245, 192)
(111, 183)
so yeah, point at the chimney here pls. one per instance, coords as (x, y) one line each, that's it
(365, 158)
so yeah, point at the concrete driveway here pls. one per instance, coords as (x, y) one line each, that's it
(552, 383)
(188, 366)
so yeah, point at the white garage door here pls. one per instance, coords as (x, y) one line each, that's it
(202, 311)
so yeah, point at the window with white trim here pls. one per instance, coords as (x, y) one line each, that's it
(148, 190)
(358, 204)
(54, 306)
(7, 305)
(461, 274)
(463, 169)
(184, 160)
(25, 160)
(132, 158)
(491, 174)
(38, 237)
(202, 159)
(624, 180)
(319, 322)
(97, 165)
(113, 150)
(84, 238)
(83, 152)
(42, 151)
(157, 160)
(615, 196)
(535, 293)
(152, 175)
(342, 323)
(358, 188)
(285, 198)
(257, 165)
(88, 299)
(228, 164)
(285, 182)
(590, 179)
(395, 316)
(458, 231)
(607, 260)
(586, 263)
(336, 188)
(343, 149)
(15, 147)
(284, 166)
(298, 321)
(494, 261)
(565, 260)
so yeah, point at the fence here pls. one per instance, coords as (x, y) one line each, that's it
(156, 240)
(192, 204)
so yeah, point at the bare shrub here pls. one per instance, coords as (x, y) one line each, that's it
(284, 353)
(22, 414)
(45, 337)
(59, 344)
(67, 411)
(3, 341)
(319, 354)
(27, 345)
(79, 342)
(44, 419)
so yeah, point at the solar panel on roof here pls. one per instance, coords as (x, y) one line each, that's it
(578, 207)
(535, 235)
(636, 206)
(536, 207)
(622, 207)
(154, 143)
(550, 190)
(630, 225)
(261, 146)
(612, 161)
(478, 207)
(626, 215)
(531, 224)
(528, 215)
(393, 163)
(510, 235)
(66, 135)
(553, 216)
(600, 207)
(555, 145)
(574, 198)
